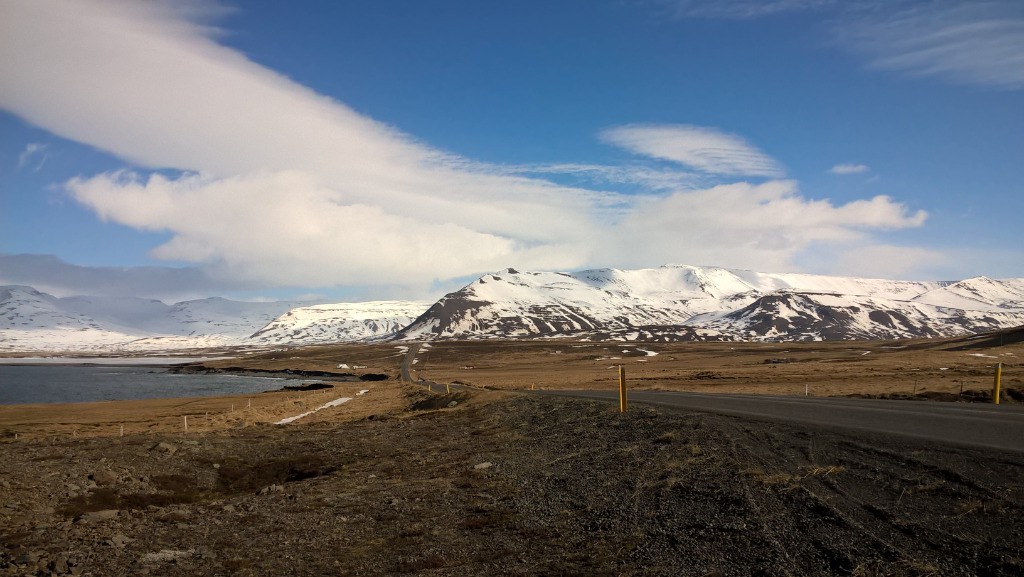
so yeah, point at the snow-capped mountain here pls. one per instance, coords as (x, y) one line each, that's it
(701, 303)
(34, 321)
(339, 322)
(671, 303)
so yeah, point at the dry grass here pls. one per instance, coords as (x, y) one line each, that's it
(830, 368)
(821, 369)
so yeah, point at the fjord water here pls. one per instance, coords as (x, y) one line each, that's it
(21, 384)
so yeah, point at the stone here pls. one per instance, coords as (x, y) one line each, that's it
(118, 540)
(452, 404)
(484, 465)
(27, 558)
(97, 516)
(165, 447)
(59, 564)
(176, 516)
(104, 477)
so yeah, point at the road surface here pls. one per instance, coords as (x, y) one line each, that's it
(410, 356)
(990, 426)
(407, 362)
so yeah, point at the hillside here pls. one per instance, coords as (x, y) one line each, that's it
(702, 303)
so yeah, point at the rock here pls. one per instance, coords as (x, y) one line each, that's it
(59, 564)
(228, 508)
(165, 555)
(176, 516)
(104, 477)
(484, 465)
(27, 558)
(97, 516)
(117, 540)
(165, 447)
(272, 489)
(452, 404)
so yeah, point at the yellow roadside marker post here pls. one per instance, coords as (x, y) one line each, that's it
(623, 402)
(996, 386)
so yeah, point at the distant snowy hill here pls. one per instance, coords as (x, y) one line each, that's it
(339, 322)
(705, 303)
(34, 321)
(671, 303)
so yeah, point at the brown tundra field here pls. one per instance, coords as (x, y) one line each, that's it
(461, 462)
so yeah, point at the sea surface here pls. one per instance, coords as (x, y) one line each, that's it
(21, 384)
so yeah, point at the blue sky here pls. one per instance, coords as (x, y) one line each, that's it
(356, 150)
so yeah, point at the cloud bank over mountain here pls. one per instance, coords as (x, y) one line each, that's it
(259, 179)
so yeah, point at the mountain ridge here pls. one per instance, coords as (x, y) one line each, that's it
(669, 303)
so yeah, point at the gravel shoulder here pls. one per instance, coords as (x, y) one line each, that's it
(508, 484)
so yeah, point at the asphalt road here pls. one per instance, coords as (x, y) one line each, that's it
(990, 426)
(407, 360)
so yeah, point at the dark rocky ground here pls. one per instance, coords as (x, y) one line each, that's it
(510, 485)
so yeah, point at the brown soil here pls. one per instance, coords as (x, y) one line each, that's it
(509, 485)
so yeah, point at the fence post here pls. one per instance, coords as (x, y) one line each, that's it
(998, 383)
(623, 401)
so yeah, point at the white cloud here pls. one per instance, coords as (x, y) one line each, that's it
(54, 276)
(32, 151)
(287, 225)
(760, 227)
(843, 169)
(889, 261)
(285, 187)
(965, 42)
(702, 148)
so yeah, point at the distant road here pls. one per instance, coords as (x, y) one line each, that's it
(980, 425)
(407, 360)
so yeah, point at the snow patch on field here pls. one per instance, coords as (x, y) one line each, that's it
(327, 405)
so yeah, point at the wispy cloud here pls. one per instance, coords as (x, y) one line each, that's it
(963, 41)
(286, 187)
(842, 169)
(52, 275)
(702, 148)
(654, 178)
(966, 42)
(32, 152)
(740, 9)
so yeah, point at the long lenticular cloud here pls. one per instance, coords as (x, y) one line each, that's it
(284, 186)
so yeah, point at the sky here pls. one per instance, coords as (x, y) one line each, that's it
(348, 150)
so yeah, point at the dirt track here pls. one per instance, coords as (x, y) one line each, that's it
(510, 485)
